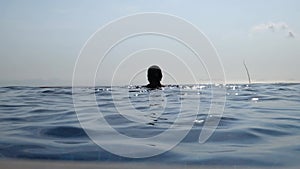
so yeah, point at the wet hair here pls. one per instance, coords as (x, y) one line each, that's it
(154, 74)
(154, 77)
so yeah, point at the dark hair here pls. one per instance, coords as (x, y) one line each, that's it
(154, 74)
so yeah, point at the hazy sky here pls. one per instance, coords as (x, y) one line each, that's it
(40, 40)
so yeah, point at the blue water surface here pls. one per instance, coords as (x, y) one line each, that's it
(260, 125)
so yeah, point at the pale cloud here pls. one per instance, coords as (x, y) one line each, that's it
(276, 27)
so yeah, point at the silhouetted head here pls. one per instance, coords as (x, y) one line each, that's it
(154, 77)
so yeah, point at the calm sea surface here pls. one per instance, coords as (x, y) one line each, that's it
(260, 125)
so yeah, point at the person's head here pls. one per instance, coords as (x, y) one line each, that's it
(154, 75)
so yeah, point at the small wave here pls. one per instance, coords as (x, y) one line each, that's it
(238, 137)
(57, 91)
(269, 132)
(64, 132)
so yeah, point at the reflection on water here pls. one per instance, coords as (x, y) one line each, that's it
(260, 125)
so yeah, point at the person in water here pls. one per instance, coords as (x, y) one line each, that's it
(154, 77)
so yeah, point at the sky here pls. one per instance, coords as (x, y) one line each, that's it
(41, 40)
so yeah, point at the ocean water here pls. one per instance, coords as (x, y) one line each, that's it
(260, 124)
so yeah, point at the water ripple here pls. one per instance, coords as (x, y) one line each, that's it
(259, 127)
